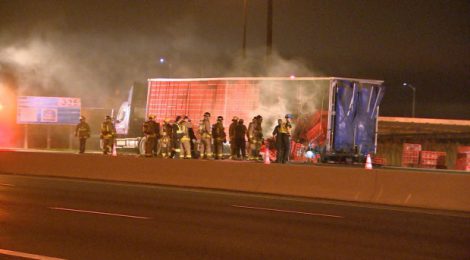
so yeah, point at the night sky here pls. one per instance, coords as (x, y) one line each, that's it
(75, 47)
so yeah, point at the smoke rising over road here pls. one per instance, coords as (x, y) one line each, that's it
(96, 49)
(100, 68)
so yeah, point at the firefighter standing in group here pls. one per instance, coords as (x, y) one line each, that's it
(218, 133)
(150, 132)
(206, 137)
(231, 135)
(165, 139)
(186, 139)
(82, 131)
(192, 136)
(240, 141)
(177, 134)
(255, 138)
(283, 140)
(277, 140)
(108, 132)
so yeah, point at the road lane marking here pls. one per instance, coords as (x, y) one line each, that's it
(99, 213)
(289, 211)
(26, 255)
(6, 184)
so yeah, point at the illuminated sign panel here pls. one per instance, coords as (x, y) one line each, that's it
(48, 110)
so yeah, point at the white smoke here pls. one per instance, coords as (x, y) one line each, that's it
(296, 97)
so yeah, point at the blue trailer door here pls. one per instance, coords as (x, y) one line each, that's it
(345, 107)
(365, 121)
(356, 108)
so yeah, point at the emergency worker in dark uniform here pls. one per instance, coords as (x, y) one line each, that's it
(185, 140)
(231, 135)
(240, 133)
(206, 136)
(155, 150)
(255, 138)
(150, 132)
(277, 140)
(218, 133)
(164, 145)
(284, 140)
(108, 133)
(82, 131)
(177, 135)
(192, 137)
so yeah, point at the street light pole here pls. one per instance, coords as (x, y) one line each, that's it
(244, 29)
(413, 88)
(269, 32)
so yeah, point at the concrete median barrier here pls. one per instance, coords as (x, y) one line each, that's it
(416, 189)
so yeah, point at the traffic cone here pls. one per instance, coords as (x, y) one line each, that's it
(266, 156)
(114, 150)
(368, 162)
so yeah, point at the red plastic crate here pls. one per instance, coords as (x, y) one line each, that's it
(410, 155)
(410, 158)
(463, 149)
(411, 147)
(167, 99)
(379, 160)
(432, 158)
(463, 162)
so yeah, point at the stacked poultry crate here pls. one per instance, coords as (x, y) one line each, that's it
(463, 158)
(432, 160)
(410, 155)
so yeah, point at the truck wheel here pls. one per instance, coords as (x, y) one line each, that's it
(142, 145)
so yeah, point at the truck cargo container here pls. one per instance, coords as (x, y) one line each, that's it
(338, 114)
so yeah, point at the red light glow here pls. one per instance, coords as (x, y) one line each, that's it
(8, 127)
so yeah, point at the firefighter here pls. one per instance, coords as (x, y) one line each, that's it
(240, 141)
(82, 131)
(186, 139)
(231, 134)
(206, 136)
(165, 139)
(277, 140)
(108, 132)
(250, 135)
(255, 138)
(192, 137)
(177, 135)
(284, 140)
(150, 132)
(156, 146)
(218, 133)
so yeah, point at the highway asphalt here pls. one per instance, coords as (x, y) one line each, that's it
(77, 219)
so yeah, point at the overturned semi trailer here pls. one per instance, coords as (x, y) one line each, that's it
(339, 114)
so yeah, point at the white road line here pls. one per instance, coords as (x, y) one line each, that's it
(99, 213)
(26, 255)
(6, 184)
(289, 211)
